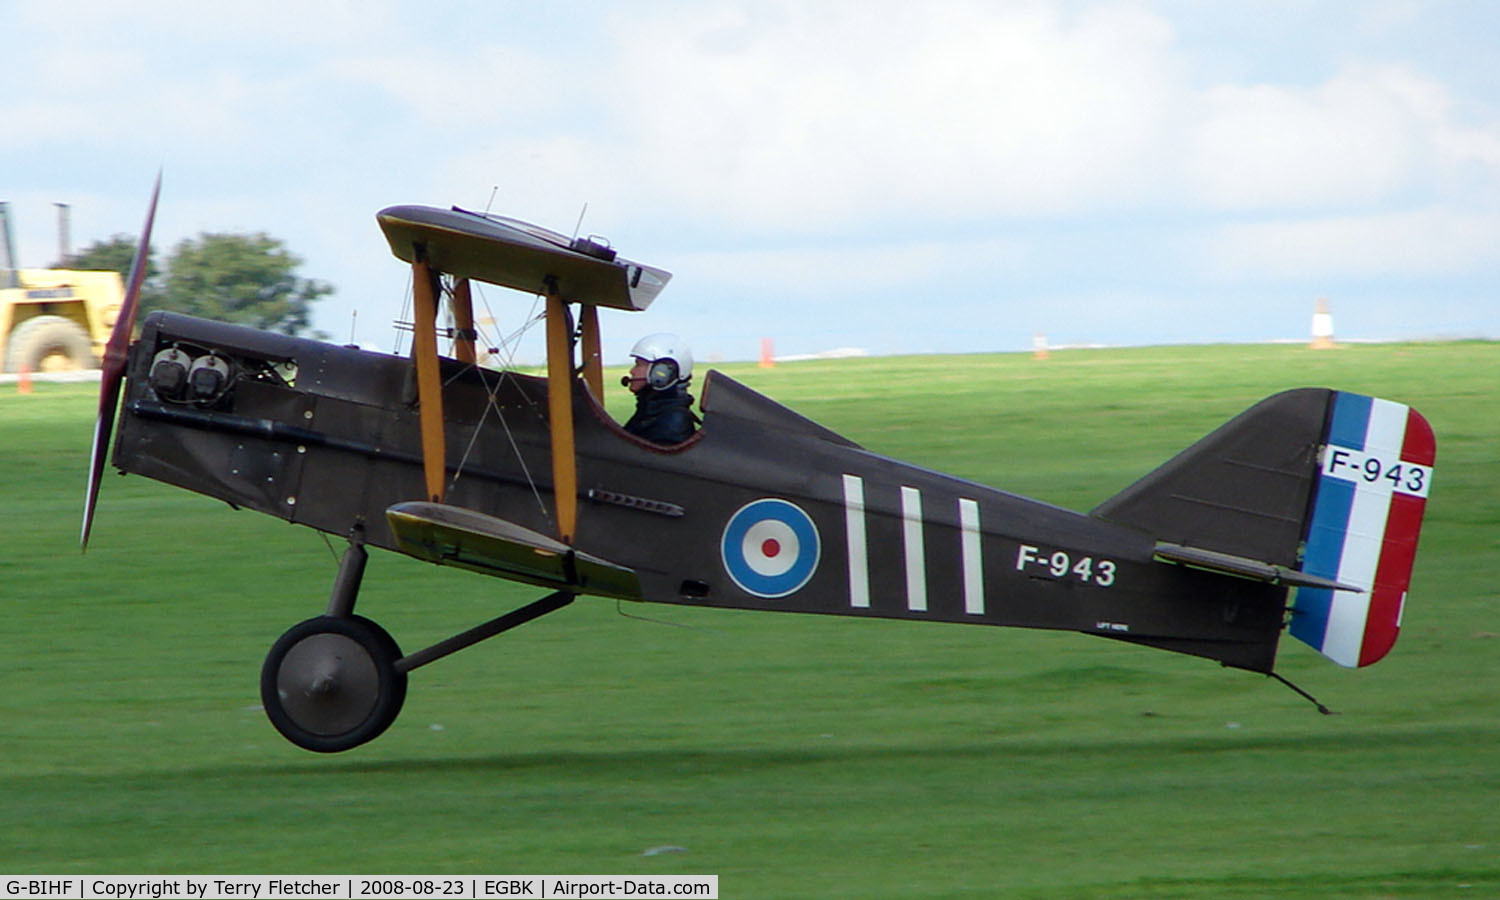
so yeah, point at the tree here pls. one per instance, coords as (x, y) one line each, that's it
(249, 279)
(116, 254)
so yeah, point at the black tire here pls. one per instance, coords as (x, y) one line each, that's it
(49, 343)
(330, 683)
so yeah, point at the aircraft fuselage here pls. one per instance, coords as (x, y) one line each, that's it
(762, 509)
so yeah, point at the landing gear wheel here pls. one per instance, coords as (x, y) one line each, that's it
(330, 683)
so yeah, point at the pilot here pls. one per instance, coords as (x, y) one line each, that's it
(659, 379)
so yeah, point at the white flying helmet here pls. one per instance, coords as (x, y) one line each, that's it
(670, 360)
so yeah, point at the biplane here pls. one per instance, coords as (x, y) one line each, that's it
(1301, 514)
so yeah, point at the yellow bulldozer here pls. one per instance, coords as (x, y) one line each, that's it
(53, 319)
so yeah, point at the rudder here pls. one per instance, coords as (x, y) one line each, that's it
(1375, 472)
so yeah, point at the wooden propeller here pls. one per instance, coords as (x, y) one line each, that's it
(115, 354)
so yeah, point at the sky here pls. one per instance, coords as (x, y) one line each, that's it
(900, 178)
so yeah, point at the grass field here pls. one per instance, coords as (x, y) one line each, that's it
(792, 756)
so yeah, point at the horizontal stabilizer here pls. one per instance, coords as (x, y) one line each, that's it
(1246, 568)
(1374, 475)
(454, 536)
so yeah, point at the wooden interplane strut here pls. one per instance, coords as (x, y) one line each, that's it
(425, 291)
(429, 384)
(463, 322)
(593, 363)
(560, 414)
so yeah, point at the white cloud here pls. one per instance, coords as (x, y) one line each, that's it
(497, 87)
(1427, 242)
(861, 269)
(788, 117)
(832, 114)
(1361, 137)
(269, 25)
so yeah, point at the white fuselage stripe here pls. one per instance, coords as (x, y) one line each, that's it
(854, 529)
(916, 555)
(973, 560)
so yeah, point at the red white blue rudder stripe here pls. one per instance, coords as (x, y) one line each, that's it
(1374, 476)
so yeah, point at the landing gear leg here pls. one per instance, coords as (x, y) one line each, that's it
(331, 683)
(346, 583)
(338, 680)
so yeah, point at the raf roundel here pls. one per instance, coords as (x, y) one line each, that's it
(770, 548)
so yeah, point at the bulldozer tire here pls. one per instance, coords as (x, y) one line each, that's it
(49, 344)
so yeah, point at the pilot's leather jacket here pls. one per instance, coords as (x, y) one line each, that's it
(663, 417)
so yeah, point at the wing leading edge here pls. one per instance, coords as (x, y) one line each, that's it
(518, 255)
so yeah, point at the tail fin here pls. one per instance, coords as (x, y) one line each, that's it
(1324, 483)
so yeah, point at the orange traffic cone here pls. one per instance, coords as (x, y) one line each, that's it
(23, 386)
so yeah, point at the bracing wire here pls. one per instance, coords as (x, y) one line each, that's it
(620, 609)
(507, 349)
(406, 315)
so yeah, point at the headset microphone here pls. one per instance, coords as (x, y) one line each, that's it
(624, 381)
